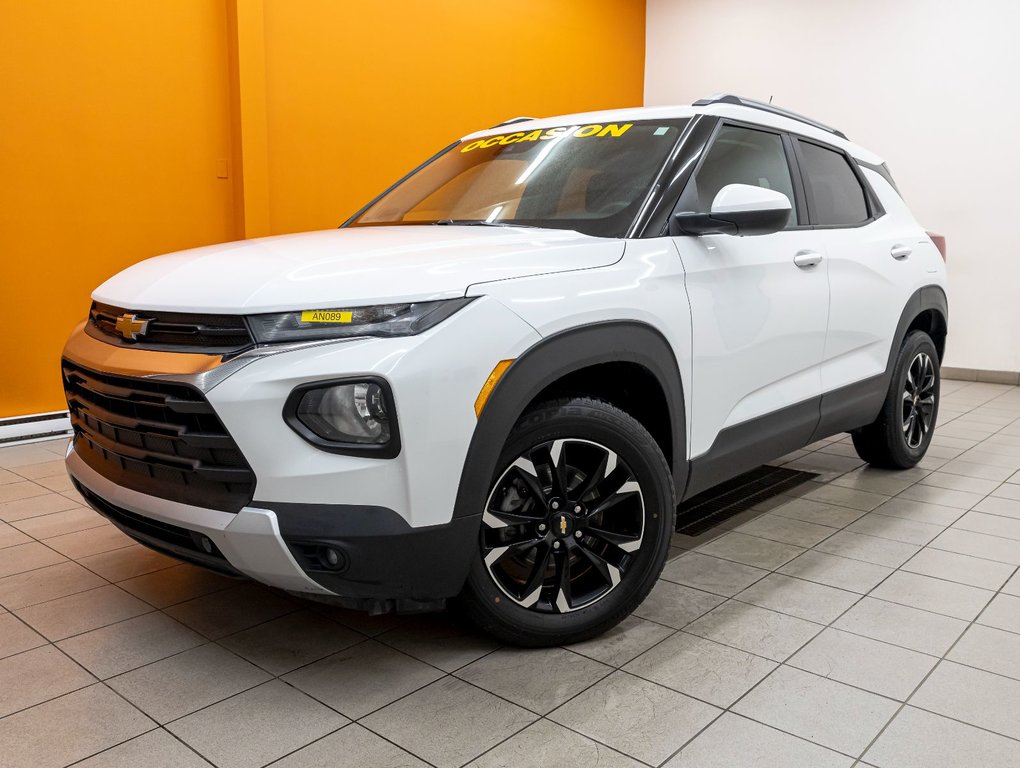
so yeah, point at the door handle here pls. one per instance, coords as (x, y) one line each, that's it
(806, 259)
(900, 251)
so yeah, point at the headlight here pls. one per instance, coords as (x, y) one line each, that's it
(379, 320)
(354, 416)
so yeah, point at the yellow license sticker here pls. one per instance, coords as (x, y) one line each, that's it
(326, 316)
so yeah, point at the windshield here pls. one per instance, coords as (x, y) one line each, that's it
(589, 178)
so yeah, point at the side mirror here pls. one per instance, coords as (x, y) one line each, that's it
(738, 209)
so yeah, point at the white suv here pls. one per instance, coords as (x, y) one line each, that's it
(499, 378)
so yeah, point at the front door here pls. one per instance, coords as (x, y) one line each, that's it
(759, 308)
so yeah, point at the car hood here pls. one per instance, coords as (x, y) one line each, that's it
(349, 267)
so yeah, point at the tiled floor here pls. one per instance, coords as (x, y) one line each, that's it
(870, 618)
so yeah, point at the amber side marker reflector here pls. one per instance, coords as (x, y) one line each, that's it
(490, 384)
(940, 243)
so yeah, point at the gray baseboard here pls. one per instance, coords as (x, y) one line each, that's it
(34, 427)
(977, 374)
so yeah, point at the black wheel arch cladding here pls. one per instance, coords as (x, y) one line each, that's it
(549, 361)
(561, 354)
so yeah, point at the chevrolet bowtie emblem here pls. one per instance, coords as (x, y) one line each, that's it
(563, 524)
(130, 327)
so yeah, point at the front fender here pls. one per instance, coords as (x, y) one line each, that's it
(548, 361)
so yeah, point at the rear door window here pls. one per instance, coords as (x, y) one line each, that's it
(835, 196)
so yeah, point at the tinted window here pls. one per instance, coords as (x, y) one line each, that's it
(834, 194)
(744, 156)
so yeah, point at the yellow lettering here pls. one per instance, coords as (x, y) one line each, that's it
(471, 145)
(615, 130)
(533, 136)
(511, 138)
(552, 133)
(588, 130)
(490, 142)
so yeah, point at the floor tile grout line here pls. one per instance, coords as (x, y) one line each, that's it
(279, 676)
(128, 578)
(805, 549)
(16, 712)
(91, 755)
(906, 702)
(943, 578)
(984, 728)
(105, 680)
(790, 656)
(179, 602)
(145, 733)
(154, 609)
(779, 665)
(99, 523)
(937, 663)
(149, 573)
(674, 631)
(545, 718)
(744, 695)
(348, 724)
(611, 670)
(207, 641)
(92, 629)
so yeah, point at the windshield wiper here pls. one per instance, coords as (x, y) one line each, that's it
(481, 223)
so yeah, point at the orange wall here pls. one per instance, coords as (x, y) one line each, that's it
(116, 116)
(113, 114)
(360, 93)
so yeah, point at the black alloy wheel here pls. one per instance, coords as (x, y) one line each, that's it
(899, 437)
(561, 525)
(918, 400)
(575, 528)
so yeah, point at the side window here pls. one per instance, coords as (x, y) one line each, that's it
(744, 156)
(834, 193)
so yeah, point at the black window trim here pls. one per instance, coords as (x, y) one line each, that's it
(872, 203)
(800, 202)
(653, 220)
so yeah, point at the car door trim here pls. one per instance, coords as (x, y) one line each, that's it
(756, 441)
(764, 438)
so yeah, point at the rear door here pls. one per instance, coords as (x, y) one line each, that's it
(871, 275)
(758, 309)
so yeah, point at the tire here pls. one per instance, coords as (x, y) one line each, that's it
(900, 436)
(602, 533)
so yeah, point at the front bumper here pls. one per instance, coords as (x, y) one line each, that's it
(383, 563)
(392, 521)
(249, 541)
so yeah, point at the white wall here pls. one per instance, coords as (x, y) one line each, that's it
(932, 86)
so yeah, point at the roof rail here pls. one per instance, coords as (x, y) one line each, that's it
(729, 98)
(513, 120)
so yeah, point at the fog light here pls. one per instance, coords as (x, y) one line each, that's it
(207, 544)
(332, 559)
(347, 413)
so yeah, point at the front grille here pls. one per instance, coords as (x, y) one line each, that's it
(164, 537)
(156, 437)
(172, 331)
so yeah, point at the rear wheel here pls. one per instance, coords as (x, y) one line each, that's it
(900, 436)
(576, 526)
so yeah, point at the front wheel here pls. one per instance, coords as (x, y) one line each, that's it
(900, 436)
(576, 526)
